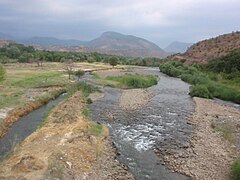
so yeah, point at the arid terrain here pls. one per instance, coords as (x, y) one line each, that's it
(205, 50)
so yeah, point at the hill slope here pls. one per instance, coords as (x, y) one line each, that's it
(212, 48)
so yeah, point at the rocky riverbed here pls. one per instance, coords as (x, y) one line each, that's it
(208, 155)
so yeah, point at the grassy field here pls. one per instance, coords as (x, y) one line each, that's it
(21, 80)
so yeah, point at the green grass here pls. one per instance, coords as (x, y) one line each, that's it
(235, 170)
(85, 112)
(134, 80)
(18, 80)
(95, 129)
(9, 101)
(37, 80)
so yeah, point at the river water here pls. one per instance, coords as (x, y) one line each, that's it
(162, 123)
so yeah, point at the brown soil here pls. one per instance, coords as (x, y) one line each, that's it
(65, 148)
(134, 99)
(208, 155)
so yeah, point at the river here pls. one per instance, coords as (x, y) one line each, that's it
(161, 124)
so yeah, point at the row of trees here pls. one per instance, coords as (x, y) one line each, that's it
(20, 53)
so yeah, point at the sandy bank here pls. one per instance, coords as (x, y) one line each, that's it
(133, 99)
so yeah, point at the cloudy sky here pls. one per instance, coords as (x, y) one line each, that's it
(160, 21)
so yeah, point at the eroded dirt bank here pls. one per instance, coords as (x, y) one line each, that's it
(11, 115)
(68, 146)
(208, 155)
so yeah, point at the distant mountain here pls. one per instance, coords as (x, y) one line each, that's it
(205, 50)
(126, 45)
(109, 43)
(177, 47)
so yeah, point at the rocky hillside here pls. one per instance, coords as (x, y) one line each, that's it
(212, 48)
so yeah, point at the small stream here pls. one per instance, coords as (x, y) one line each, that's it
(25, 126)
(162, 122)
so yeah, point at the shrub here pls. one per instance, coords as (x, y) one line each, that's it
(236, 169)
(89, 101)
(135, 81)
(200, 91)
(95, 129)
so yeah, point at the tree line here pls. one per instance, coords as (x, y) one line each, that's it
(14, 52)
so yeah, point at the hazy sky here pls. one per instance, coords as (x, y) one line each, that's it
(156, 20)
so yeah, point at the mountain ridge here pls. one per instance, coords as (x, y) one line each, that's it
(109, 42)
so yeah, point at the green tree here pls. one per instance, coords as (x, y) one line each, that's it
(13, 52)
(2, 73)
(25, 57)
(113, 61)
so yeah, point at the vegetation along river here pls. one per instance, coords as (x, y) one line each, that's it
(158, 126)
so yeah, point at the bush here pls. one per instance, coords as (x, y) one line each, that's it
(200, 91)
(236, 169)
(135, 81)
(89, 101)
(2, 73)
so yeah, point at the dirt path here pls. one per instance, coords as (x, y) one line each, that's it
(208, 155)
(68, 146)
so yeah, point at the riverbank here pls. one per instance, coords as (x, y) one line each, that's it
(214, 143)
(68, 146)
